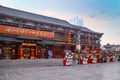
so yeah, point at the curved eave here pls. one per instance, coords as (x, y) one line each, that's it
(85, 29)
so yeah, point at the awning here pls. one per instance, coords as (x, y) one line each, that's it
(46, 42)
(10, 39)
(49, 42)
(54, 43)
(28, 37)
(61, 43)
(65, 43)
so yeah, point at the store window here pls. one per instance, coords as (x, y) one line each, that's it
(7, 52)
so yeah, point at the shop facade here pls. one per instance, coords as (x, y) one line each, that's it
(22, 43)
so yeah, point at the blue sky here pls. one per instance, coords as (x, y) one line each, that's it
(98, 15)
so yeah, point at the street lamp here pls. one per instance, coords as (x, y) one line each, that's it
(78, 47)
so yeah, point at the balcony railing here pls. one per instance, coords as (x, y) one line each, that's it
(91, 43)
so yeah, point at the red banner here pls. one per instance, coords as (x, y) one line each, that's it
(25, 32)
(69, 38)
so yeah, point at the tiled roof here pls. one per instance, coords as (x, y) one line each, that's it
(85, 29)
(32, 16)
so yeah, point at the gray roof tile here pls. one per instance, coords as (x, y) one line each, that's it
(85, 29)
(32, 16)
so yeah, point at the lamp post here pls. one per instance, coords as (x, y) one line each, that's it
(78, 47)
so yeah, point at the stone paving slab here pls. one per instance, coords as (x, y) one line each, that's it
(100, 71)
(31, 62)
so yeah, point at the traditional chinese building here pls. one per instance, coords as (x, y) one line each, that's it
(113, 48)
(27, 35)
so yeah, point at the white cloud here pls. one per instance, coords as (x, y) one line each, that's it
(110, 28)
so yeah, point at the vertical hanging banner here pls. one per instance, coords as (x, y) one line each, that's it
(69, 37)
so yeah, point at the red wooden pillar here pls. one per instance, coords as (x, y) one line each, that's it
(21, 52)
(32, 53)
(36, 54)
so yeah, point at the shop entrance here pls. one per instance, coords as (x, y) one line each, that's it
(28, 51)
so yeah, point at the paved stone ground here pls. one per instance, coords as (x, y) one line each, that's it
(33, 70)
(31, 62)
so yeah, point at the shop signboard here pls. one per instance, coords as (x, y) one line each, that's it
(25, 32)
